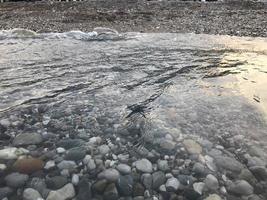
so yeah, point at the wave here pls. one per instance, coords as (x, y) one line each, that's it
(98, 33)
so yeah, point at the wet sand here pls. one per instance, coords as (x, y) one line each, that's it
(225, 18)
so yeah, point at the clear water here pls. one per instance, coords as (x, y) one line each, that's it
(160, 83)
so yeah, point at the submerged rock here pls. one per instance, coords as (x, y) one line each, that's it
(228, 163)
(241, 188)
(158, 179)
(125, 185)
(124, 169)
(111, 192)
(172, 184)
(111, 175)
(27, 139)
(28, 165)
(213, 197)
(31, 194)
(192, 146)
(16, 180)
(65, 193)
(144, 166)
(12, 153)
(211, 182)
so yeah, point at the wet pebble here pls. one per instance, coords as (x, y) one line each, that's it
(241, 187)
(5, 192)
(66, 164)
(125, 185)
(228, 163)
(199, 187)
(213, 197)
(56, 182)
(103, 149)
(211, 182)
(144, 166)
(147, 180)
(172, 184)
(31, 194)
(64, 193)
(192, 146)
(27, 139)
(111, 175)
(158, 179)
(11, 153)
(124, 169)
(16, 179)
(50, 164)
(163, 165)
(28, 165)
(111, 192)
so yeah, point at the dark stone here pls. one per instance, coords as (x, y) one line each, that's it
(85, 192)
(75, 154)
(158, 179)
(56, 182)
(190, 194)
(259, 172)
(138, 190)
(27, 139)
(5, 192)
(125, 185)
(100, 186)
(70, 143)
(111, 192)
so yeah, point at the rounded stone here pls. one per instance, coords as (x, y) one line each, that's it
(158, 179)
(31, 194)
(124, 169)
(211, 182)
(27, 139)
(241, 187)
(172, 184)
(144, 166)
(16, 180)
(28, 165)
(111, 175)
(213, 197)
(192, 146)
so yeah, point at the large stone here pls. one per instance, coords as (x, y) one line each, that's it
(192, 146)
(199, 187)
(12, 153)
(100, 186)
(27, 139)
(228, 163)
(111, 192)
(39, 185)
(31, 194)
(211, 182)
(172, 184)
(111, 175)
(103, 149)
(199, 169)
(158, 179)
(138, 190)
(241, 187)
(65, 193)
(167, 144)
(125, 185)
(28, 165)
(16, 180)
(124, 169)
(144, 166)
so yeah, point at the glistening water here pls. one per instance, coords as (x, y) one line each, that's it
(137, 88)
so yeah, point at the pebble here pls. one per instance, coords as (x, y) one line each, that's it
(199, 187)
(211, 182)
(2, 167)
(111, 192)
(172, 184)
(138, 189)
(75, 154)
(111, 175)
(259, 172)
(67, 192)
(31, 194)
(192, 146)
(213, 197)
(56, 182)
(67, 165)
(228, 163)
(241, 187)
(50, 164)
(125, 185)
(61, 150)
(84, 192)
(198, 169)
(144, 166)
(163, 165)
(75, 179)
(70, 143)
(28, 165)
(158, 179)
(103, 149)
(91, 164)
(99, 186)
(124, 169)
(167, 144)
(11, 153)
(5, 192)
(27, 139)
(16, 179)
(147, 180)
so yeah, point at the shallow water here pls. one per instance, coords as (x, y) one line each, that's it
(158, 83)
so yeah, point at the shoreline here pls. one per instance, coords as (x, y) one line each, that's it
(216, 18)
